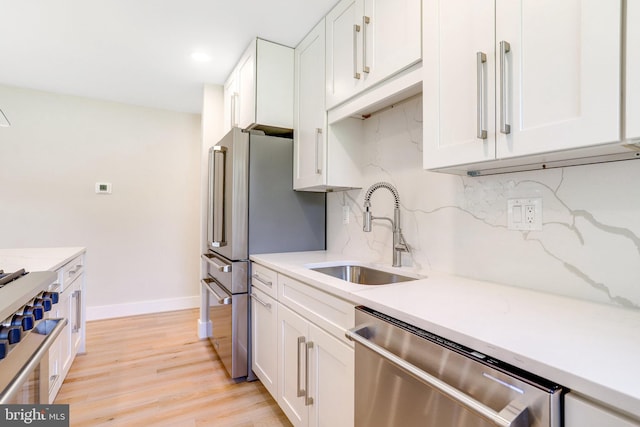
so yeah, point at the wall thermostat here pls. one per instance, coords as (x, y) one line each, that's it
(103, 187)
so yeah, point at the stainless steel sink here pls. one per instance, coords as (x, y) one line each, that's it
(362, 275)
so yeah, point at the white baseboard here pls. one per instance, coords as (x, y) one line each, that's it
(141, 307)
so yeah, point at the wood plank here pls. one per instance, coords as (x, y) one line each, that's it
(152, 370)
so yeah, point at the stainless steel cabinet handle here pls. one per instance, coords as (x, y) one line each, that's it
(505, 48)
(513, 415)
(356, 30)
(301, 391)
(318, 134)
(365, 21)
(265, 304)
(77, 324)
(261, 280)
(234, 103)
(222, 297)
(225, 268)
(481, 59)
(308, 400)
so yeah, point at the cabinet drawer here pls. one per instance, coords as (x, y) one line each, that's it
(580, 412)
(328, 312)
(72, 270)
(264, 279)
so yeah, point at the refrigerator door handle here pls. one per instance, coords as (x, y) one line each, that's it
(211, 259)
(217, 199)
(213, 286)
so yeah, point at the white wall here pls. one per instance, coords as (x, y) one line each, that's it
(589, 247)
(142, 241)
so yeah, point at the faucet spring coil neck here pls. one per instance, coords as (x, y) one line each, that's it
(378, 185)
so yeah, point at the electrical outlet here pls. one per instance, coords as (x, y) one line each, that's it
(345, 214)
(524, 214)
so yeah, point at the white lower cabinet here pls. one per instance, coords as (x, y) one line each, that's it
(316, 373)
(580, 412)
(299, 350)
(264, 327)
(70, 306)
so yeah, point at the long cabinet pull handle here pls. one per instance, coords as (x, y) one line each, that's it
(513, 415)
(301, 392)
(365, 20)
(308, 400)
(78, 320)
(356, 30)
(234, 104)
(265, 304)
(261, 280)
(318, 135)
(505, 48)
(481, 59)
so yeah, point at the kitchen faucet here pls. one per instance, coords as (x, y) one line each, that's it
(399, 244)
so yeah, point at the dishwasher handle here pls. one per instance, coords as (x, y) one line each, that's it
(515, 414)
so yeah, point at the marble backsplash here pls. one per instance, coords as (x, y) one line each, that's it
(589, 247)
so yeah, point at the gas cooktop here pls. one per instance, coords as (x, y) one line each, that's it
(6, 278)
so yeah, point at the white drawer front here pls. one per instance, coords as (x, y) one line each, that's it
(328, 312)
(264, 279)
(72, 270)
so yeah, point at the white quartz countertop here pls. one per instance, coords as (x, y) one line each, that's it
(586, 347)
(37, 259)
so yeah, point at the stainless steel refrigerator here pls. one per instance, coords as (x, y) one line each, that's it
(252, 209)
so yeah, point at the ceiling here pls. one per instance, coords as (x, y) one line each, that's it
(139, 51)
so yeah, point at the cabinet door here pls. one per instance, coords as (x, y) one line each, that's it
(292, 341)
(309, 123)
(264, 327)
(67, 310)
(331, 382)
(561, 76)
(230, 99)
(246, 100)
(632, 120)
(391, 37)
(458, 87)
(344, 43)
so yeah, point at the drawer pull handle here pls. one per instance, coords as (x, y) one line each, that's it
(261, 280)
(265, 304)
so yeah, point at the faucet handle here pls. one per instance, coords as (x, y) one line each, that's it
(402, 247)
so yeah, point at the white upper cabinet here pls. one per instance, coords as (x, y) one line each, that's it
(258, 93)
(367, 42)
(509, 79)
(230, 99)
(632, 94)
(310, 117)
(561, 78)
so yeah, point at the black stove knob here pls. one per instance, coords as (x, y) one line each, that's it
(26, 322)
(11, 334)
(53, 296)
(36, 312)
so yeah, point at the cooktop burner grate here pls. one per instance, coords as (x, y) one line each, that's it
(6, 278)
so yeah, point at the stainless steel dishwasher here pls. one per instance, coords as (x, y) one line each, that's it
(406, 376)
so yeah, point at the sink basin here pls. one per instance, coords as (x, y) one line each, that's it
(362, 275)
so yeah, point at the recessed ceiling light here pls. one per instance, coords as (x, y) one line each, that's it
(200, 56)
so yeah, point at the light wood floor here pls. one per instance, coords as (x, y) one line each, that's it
(152, 370)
